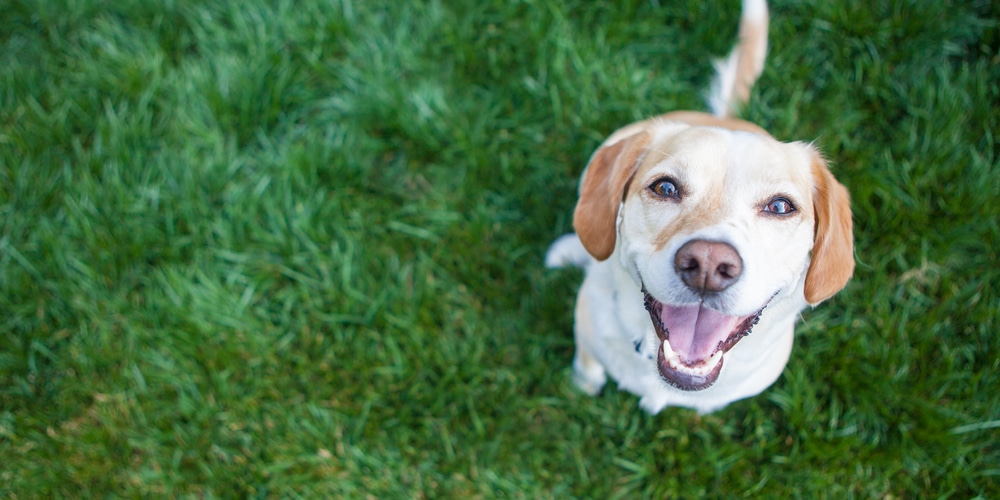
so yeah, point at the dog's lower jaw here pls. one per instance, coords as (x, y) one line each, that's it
(687, 378)
(751, 368)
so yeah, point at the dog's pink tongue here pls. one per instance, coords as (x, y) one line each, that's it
(694, 331)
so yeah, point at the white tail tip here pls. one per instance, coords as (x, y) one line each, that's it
(567, 250)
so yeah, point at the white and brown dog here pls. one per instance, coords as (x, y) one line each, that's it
(702, 238)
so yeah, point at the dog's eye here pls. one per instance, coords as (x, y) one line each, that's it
(779, 206)
(665, 188)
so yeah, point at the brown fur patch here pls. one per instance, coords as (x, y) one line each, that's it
(686, 224)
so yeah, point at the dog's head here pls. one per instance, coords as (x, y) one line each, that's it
(713, 224)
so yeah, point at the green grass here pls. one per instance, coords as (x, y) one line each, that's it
(283, 249)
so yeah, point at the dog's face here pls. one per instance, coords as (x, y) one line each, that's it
(713, 225)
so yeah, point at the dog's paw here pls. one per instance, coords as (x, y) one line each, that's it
(652, 404)
(587, 385)
(590, 379)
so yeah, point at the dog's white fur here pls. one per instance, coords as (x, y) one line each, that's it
(729, 173)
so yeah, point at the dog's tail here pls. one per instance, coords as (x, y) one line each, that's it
(567, 250)
(736, 74)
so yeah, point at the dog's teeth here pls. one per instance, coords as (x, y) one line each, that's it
(674, 362)
(713, 360)
(673, 359)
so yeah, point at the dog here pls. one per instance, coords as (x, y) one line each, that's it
(702, 239)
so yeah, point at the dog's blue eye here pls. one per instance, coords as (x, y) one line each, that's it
(779, 206)
(665, 188)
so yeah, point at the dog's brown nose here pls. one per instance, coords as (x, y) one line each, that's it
(708, 266)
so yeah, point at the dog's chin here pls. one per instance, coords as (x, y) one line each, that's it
(684, 377)
(694, 340)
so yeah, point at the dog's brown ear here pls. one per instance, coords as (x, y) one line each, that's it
(833, 250)
(601, 192)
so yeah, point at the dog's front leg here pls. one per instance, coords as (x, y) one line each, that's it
(588, 372)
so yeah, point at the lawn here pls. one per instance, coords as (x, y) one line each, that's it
(295, 249)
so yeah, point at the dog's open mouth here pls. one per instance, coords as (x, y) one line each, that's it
(693, 339)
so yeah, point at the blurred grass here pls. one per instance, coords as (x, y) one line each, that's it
(294, 249)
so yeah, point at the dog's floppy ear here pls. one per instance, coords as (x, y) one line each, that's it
(832, 261)
(602, 190)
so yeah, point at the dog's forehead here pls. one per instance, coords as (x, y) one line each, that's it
(710, 154)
